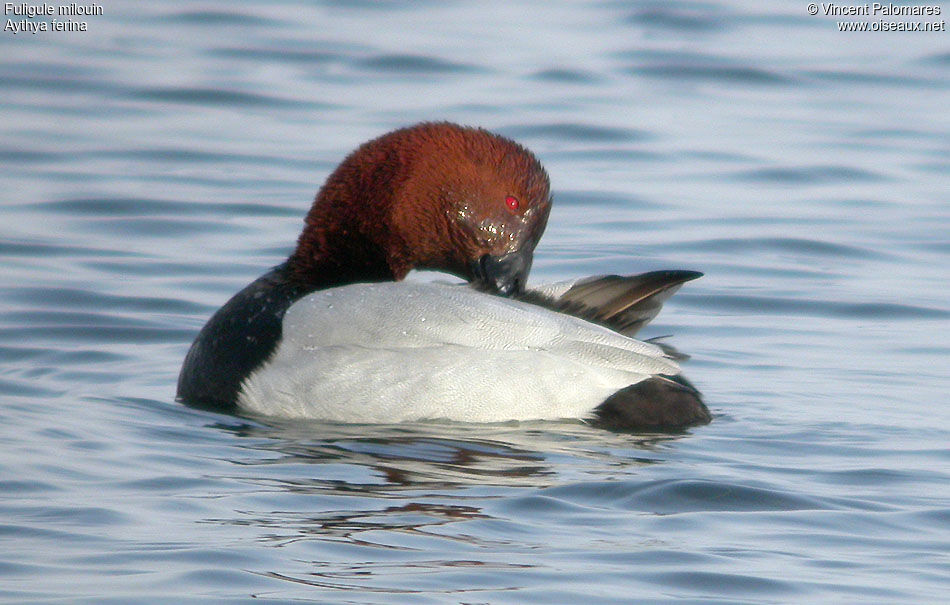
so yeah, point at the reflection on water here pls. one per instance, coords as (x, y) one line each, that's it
(393, 458)
(406, 493)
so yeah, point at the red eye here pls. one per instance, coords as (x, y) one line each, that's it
(512, 202)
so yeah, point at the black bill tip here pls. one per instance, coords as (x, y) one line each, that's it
(506, 274)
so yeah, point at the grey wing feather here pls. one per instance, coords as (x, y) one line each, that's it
(622, 303)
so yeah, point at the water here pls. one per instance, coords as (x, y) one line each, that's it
(158, 162)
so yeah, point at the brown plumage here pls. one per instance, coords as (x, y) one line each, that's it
(429, 196)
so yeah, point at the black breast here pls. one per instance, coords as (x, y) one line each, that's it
(237, 339)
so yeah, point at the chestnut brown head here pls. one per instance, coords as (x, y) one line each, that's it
(431, 196)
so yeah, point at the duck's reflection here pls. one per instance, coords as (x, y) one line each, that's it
(383, 460)
(380, 508)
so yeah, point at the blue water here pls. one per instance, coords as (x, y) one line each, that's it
(159, 161)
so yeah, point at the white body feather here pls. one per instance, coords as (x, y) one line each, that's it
(393, 352)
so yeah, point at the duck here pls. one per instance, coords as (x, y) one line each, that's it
(336, 333)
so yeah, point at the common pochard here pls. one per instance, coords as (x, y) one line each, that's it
(333, 333)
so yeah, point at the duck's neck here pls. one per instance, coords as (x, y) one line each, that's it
(330, 266)
(333, 250)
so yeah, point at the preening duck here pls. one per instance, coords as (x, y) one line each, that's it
(333, 333)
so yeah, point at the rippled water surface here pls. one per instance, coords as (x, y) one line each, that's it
(158, 162)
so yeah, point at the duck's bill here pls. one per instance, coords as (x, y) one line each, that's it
(505, 274)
